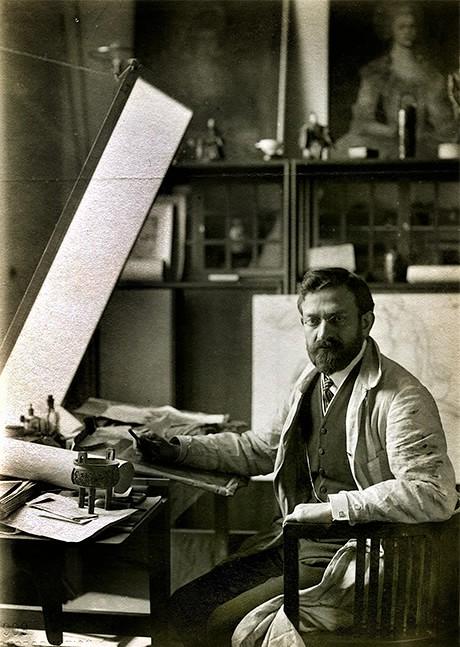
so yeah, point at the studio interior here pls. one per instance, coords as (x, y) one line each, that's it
(170, 170)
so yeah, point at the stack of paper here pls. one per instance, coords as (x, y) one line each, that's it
(133, 414)
(62, 508)
(62, 519)
(14, 494)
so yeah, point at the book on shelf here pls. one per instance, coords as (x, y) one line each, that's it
(179, 199)
(158, 253)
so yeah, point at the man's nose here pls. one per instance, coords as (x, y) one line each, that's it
(324, 330)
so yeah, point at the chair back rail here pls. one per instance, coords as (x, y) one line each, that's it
(413, 594)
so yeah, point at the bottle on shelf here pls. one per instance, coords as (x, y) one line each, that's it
(395, 267)
(52, 418)
(32, 422)
(213, 143)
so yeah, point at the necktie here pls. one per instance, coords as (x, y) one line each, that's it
(326, 392)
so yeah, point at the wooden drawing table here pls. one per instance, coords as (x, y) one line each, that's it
(146, 534)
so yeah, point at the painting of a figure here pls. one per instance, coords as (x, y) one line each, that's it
(383, 56)
(209, 66)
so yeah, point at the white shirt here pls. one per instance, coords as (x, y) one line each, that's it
(339, 377)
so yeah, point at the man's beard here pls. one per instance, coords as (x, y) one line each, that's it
(332, 355)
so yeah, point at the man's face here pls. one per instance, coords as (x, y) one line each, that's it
(334, 330)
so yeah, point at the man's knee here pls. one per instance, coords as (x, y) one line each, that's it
(224, 619)
(221, 624)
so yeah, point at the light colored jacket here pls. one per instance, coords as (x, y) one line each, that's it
(396, 449)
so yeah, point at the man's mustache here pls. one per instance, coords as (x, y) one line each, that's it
(330, 344)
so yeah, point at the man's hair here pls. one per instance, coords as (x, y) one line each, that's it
(334, 277)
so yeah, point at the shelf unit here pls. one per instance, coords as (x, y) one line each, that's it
(237, 220)
(409, 206)
(285, 207)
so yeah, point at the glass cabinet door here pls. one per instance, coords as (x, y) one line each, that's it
(434, 222)
(363, 214)
(235, 225)
(411, 221)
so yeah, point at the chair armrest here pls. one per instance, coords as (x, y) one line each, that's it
(345, 530)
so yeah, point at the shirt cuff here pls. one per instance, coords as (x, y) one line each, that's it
(339, 506)
(183, 442)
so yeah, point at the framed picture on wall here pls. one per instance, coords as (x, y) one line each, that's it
(384, 55)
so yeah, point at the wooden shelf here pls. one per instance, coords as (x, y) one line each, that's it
(414, 287)
(243, 283)
(232, 169)
(426, 168)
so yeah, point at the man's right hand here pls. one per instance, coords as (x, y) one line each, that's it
(156, 449)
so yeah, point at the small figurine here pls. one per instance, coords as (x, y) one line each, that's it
(327, 143)
(213, 144)
(314, 139)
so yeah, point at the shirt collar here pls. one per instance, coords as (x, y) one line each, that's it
(339, 377)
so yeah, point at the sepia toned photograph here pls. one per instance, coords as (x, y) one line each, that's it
(229, 315)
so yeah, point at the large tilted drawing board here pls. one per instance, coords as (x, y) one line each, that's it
(420, 331)
(85, 268)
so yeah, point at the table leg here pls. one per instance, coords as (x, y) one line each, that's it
(156, 540)
(49, 570)
(221, 528)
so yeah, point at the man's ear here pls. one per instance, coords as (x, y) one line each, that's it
(367, 321)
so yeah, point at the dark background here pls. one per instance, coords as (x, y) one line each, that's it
(220, 59)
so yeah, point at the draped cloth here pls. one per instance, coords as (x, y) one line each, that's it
(327, 606)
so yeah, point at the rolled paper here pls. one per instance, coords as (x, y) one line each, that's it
(35, 462)
(433, 273)
(448, 151)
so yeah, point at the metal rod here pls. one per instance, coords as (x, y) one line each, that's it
(281, 116)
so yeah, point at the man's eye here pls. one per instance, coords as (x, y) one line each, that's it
(312, 322)
(336, 319)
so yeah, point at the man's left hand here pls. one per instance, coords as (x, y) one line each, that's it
(311, 513)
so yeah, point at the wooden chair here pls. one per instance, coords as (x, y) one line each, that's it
(416, 600)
